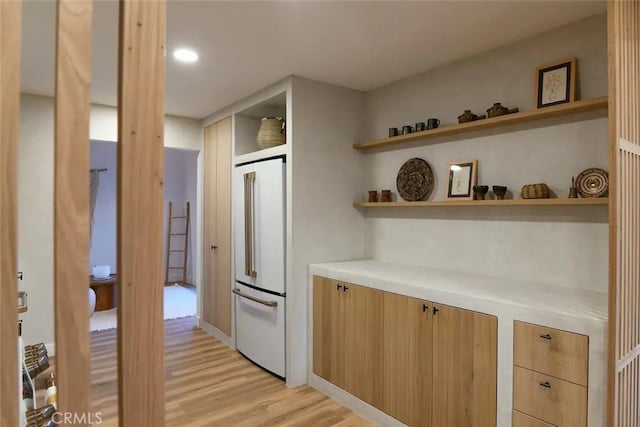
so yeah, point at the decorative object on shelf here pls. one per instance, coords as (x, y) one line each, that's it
(415, 180)
(535, 191)
(556, 83)
(499, 191)
(468, 116)
(386, 196)
(480, 191)
(433, 123)
(573, 191)
(272, 132)
(462, 178)
(593, 182)
(373, 196)
(420, 126)
(406, 130)
(393, 132)
(499, 110)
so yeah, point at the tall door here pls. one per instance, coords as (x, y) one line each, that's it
(407, 359)
(328, 330)
(624, 213)
(217, 280)
(363, 328)
(465, 345)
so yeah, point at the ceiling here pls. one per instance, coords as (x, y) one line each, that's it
(246, 45)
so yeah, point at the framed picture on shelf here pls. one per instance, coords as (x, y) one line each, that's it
(462, 178)
(556, 83)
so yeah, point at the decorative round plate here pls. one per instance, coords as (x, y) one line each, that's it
(593, 182)
(415, 180)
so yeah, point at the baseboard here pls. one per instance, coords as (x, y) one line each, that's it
(51, 348)
(358, 406)
(215, 332)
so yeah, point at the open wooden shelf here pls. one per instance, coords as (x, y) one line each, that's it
(506, 202)
(509, 119)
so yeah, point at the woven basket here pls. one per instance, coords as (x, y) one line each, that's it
(271, 132)
(535, 191)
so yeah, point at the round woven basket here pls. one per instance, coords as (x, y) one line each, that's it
(271, 133)
(535, 191)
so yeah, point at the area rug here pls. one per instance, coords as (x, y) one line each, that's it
(178, 302)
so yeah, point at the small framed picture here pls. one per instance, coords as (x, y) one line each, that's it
(556, 83)
(462, 178)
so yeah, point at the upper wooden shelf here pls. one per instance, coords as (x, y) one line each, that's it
(506, 202)
(509, 119)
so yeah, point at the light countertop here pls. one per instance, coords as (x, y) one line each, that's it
(453, 287)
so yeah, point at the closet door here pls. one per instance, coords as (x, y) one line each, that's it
(217, 280)
(624, 213)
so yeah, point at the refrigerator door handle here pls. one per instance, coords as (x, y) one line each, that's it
(249, 235)
(258, 300)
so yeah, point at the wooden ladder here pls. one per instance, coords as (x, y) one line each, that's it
(185, 249)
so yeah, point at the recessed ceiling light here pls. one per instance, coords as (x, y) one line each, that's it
(188, 56)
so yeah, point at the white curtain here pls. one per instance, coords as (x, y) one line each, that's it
(93, 194)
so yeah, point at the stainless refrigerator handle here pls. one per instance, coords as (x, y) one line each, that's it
(258, 300)
(249, 185)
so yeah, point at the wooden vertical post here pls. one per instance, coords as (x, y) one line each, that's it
(624, 214)
(10, 29)
(140, 212)
(71, 204)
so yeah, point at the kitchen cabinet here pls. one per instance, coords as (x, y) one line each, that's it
(408, 336)
(465, 346)
(217, 279)
(424, 363)
(348, 337)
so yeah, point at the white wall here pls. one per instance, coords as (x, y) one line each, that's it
(35, 198)
(327, 176)
(179, 187)
(564, 246)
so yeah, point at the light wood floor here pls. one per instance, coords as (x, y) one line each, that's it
(207, 384)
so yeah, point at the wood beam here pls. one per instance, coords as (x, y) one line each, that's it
(10, 30)
(71, 204)
(140, 213)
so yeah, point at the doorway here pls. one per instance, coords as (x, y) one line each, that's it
(180, 188)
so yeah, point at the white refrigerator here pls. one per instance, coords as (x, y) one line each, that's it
(259, 291)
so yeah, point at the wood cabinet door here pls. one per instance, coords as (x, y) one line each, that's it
(328, 330)
(363, 328)
(464, 368)
(407, 359)
(217, 277)
(208, 291)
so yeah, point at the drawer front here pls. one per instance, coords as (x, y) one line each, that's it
(549, 399)
(522, 420)
(551, 351)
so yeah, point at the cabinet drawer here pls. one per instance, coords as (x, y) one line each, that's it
(551, 351)
(522, 420)
(549, 399)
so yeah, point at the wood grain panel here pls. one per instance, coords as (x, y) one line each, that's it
(328, 330)
(560, 402)
(223, 278)
(624, 213)
(140, 213)
(71, 203)
(209, 222)
(523, 420)
(551, 351)
(208, 384)
(363, 328)
(408, 336)
(465, 346)
(10, 31)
